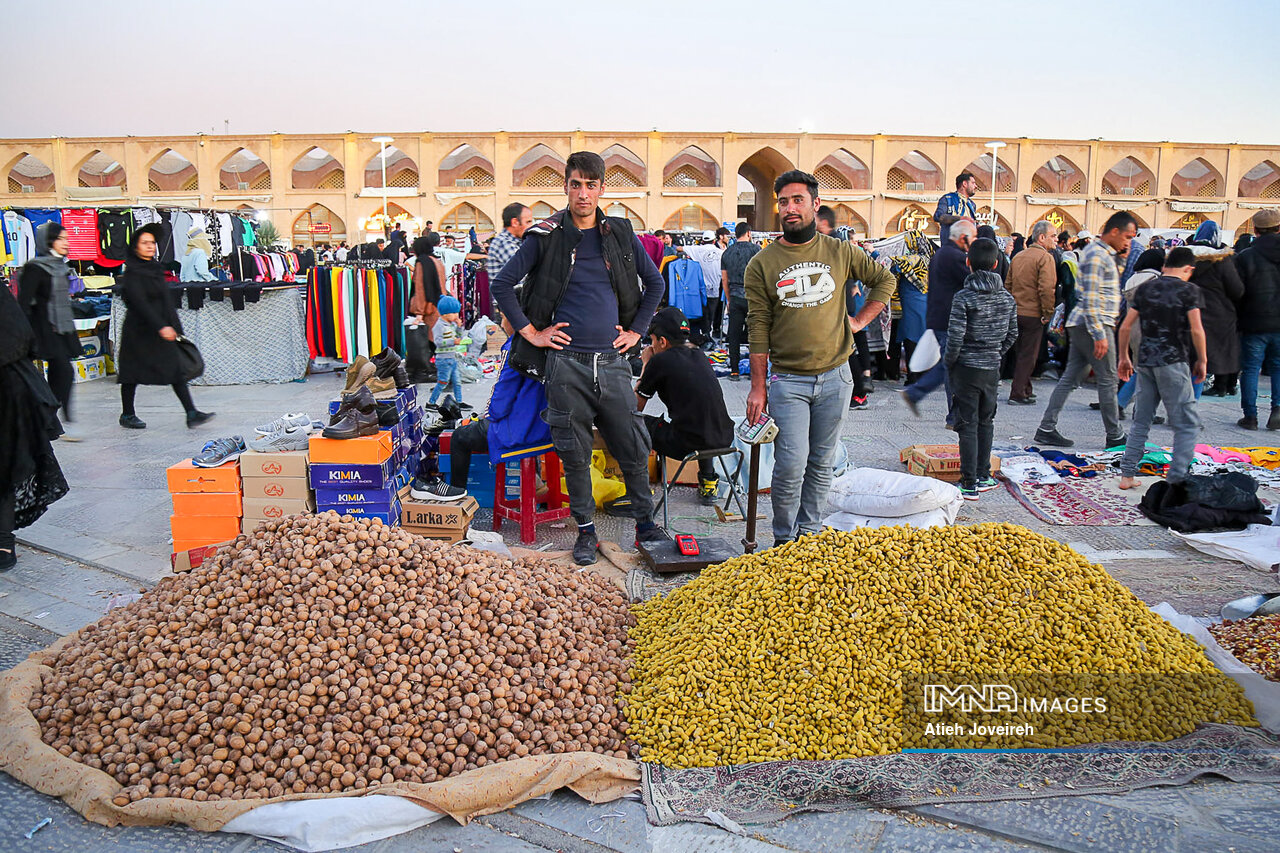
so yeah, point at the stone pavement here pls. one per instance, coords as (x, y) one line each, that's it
(109, 539)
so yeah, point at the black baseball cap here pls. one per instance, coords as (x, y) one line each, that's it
(669, 323)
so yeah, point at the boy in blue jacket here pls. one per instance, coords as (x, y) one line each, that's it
(512, 422)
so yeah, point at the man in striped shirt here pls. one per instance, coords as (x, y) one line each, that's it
(1091, 330)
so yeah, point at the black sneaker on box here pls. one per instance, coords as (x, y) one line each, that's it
(435, 490)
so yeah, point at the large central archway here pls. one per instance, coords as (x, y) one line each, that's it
(760, 170)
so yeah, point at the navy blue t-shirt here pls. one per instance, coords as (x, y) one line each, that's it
(590, 306)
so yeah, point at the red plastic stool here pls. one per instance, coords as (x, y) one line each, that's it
(523, 510)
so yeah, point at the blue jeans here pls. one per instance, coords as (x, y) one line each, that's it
(446, 374)
(809, 411)
(1255, 351)
(1169, 384)
(933, 377)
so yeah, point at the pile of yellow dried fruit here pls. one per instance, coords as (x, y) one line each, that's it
(325, 653)
(806, 651)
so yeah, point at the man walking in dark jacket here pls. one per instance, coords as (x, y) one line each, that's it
(982, 327)
(1259, 317)
(580, 310)
(947, 272)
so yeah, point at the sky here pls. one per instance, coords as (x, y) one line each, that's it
(1175, 70)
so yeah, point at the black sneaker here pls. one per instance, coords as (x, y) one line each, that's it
(195, 418)
(1273, 422)
(584, 550)
(1120, 441)
(1053, 438)
(1022, 401)
(735, 377)
(135, 422)
(435, 490)
(8, 559)
(858, 402)
(651, 534)
(1247, 422)
(218, 451)
(388, 414)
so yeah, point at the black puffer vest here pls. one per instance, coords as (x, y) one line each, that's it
(546, 285)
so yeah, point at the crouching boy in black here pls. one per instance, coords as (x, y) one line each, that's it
(983, 326)
(681, 376)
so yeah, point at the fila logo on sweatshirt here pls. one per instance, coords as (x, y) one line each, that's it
(806, 285)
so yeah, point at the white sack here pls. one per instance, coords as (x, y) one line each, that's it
(333, 823)
(931, 518)
(1265, 695)
(890, 494)
(1257, 546)
(926, 354)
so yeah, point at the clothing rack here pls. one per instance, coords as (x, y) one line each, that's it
(356, 308)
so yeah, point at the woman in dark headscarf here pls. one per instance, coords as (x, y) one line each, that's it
(30, 478)
(1243, 242)
(1002, 265)
(147, 352)
(1219, 282)
(44, 294)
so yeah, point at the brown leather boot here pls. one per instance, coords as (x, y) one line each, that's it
(360, 420)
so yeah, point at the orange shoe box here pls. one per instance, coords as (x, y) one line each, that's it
(206, 503)
(185, 477)
(367, 450)
(204, 529)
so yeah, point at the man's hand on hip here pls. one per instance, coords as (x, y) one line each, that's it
(552, 337)
(625, 340)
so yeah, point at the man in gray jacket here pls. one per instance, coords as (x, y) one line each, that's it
(983, 326)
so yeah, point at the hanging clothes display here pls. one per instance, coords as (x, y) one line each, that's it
(354, 310)
(256, 265)
(115, 230)
(82, 234)
(686, 288)
(19, 238)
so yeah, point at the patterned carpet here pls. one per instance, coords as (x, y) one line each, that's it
(1094, 501)
(762, 793)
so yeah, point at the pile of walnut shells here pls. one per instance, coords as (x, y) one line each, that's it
(324, 653)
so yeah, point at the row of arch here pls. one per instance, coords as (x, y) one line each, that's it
(691, 217)
(542, 167)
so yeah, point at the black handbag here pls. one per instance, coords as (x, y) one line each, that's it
(190, 361)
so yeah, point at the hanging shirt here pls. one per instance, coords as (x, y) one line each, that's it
(181, 222)
(145, 216)
(225, 237)
(19, 237)
(115, 229)
(82, 234)
(708, 257)
(38, 216)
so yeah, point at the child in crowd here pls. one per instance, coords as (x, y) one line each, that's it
(447, 335)
(1167, 310)
(982, 328)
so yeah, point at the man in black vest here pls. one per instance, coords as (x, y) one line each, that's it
(580, 310)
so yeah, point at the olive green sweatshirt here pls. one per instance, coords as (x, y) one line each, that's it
(796, 303)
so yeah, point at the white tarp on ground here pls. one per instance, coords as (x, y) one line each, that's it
(1257, 546)
(1264, 694)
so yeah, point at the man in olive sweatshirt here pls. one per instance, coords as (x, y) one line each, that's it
(796, 317)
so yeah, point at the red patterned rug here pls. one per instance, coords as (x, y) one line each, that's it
(1093, 501)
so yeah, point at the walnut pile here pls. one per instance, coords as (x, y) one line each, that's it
(327, 653)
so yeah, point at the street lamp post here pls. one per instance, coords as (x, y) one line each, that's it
(995, 156)
(383, 142)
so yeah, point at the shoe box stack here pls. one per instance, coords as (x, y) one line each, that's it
(275, 485)
(364, 475)
(206, 504)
